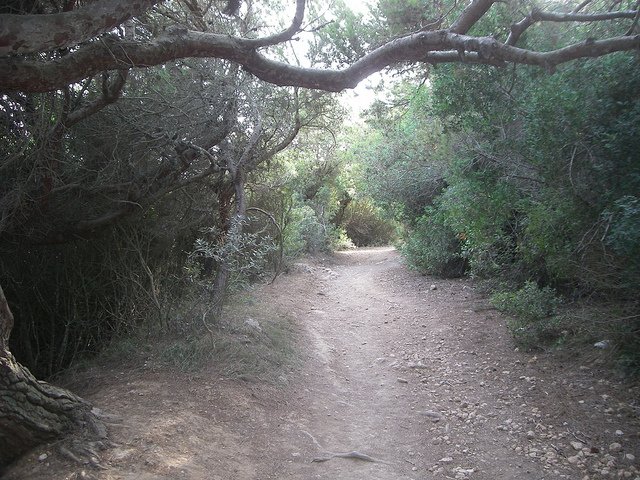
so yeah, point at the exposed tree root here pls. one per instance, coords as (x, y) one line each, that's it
(83, 446)
(354, 454)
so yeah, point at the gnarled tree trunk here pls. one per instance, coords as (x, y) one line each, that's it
(32, 412)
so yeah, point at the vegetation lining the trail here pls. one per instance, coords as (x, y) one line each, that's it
(251, 341)
(530, 183)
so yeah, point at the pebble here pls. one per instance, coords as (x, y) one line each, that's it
(42, 457)
(435, 417)
(615, 447)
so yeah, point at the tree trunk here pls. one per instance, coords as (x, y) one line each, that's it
(32, 412)
(236, 226)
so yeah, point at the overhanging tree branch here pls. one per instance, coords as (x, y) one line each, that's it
(438, 46)
(285, 35)
(25, 34)
(470, 15)
(33, 76)
(517, 29)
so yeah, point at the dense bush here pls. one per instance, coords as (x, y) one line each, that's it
(543, 181)
(532, 314)
(247, 253)
(366, 225)
(70, 299)
(531, 303)
(432, 247)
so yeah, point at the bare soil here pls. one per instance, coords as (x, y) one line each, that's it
(400, 376)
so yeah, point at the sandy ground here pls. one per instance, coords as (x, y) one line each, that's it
(400, 377)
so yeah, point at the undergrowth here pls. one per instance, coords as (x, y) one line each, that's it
(606, 333)
(250, 341)
(532, 310)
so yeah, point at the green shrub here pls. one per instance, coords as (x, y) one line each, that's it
(248, 254)
(623, 237)
(339, 240)
(365, 224)
(303, 232)
(533, 322)
(433, 248)
(531, 303)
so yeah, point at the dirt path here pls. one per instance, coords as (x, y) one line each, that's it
(402, 376)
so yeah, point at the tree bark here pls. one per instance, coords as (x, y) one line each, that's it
(25, 34)
(32, 412)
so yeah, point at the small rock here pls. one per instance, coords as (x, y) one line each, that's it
(615, 447)
(577, 445)
(251, 323)
(402, 380)
(602, 344)
(619, 433)
(435, 417)
(433, 287)
(445, 460)
(531, 434)
(42, 457)
(630, 456)
(573, 460)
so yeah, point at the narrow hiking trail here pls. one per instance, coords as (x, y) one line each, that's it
(400, 377)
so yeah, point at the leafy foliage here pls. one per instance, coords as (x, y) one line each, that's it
(433, 248)
(532, 311)
(365, 224)
(247, 253)
(537, 181)
(530, 304)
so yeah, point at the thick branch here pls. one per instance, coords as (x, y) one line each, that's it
(24, 34)
(285, 34)
(540, 16)
(470, 15)
(110, 93)
(432, 47)
(517, 29)
(32, 76)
